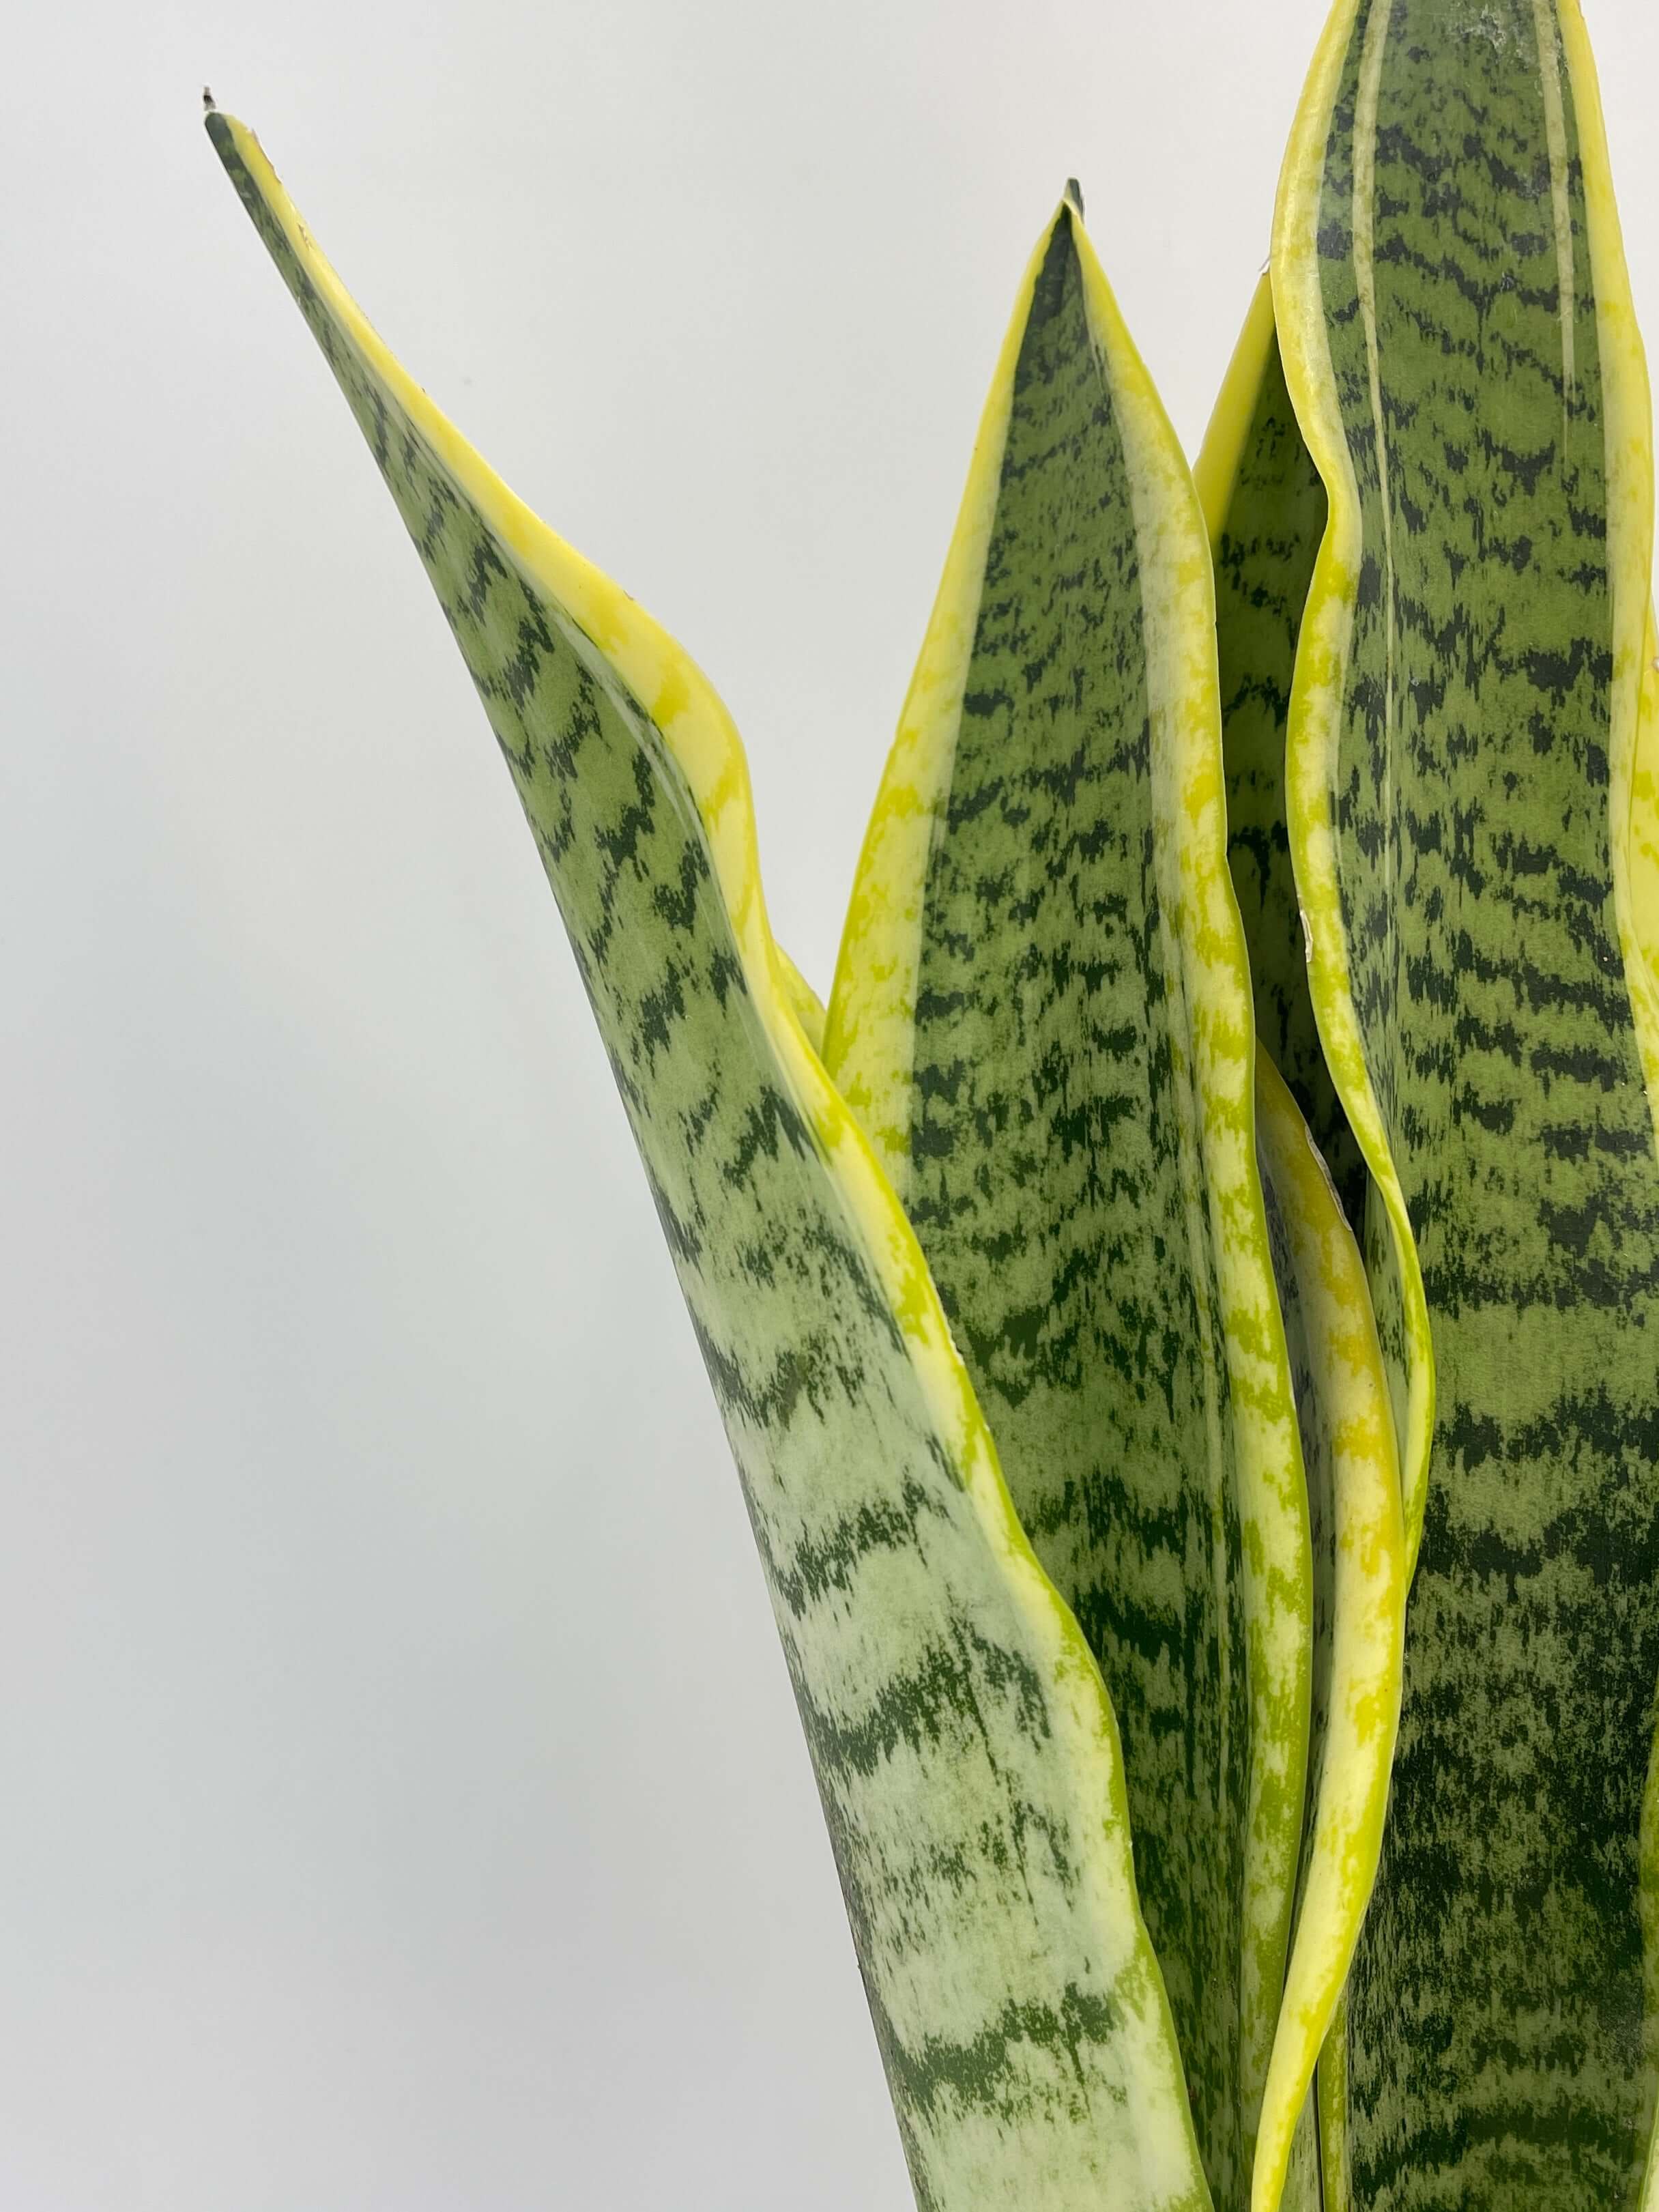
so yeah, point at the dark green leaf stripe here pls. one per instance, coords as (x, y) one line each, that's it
(1042, 1010)
(963, 1744)
(1454, 317)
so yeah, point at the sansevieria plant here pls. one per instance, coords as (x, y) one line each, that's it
(1221, 1190)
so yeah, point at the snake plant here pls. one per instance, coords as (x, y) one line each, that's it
(1220, 1191)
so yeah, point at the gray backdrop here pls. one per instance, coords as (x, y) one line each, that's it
(401, 1803)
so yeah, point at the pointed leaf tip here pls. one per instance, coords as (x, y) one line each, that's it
(953, 1711)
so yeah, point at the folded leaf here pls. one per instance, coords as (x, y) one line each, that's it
(1335, 2149)
(1359, 1598)
(1266, 512)
(1641, 924)
(1042, 1014)
(964, 1745)
(1458, 343)
(803, 1000)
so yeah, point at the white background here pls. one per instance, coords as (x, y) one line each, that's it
(401, 1803)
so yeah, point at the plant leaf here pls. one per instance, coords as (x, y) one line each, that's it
(1641, 861)
(1359, 1596)
(1266, 511)
(804, 1002)
(1459, 344)
(1042, 1013)
(1335, 2150)
(964, 1746)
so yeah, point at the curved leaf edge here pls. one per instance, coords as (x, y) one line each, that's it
(872, 1011)
(870, 1016)
(1316, 720)
(1316, 712)
(1633, 753)
(1368, 1610)
(708, 754)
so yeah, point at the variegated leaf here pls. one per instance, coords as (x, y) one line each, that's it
(1359, 1606)
(964, 1745)
(1459, 347)
(1266, 510)
(1042, 1014)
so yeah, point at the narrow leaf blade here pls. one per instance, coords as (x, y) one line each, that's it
(1266, 514)
(1455, 318)
(1359, 1598)
(1042, 1008)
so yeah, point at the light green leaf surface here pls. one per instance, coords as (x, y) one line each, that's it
(1041, 1015)
(964, 1745)
(1454, 319)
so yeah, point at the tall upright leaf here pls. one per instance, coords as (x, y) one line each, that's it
(964, 1745)
(1457, 339)
(1042, 1013)
(1266, 511)
(1359, 1545)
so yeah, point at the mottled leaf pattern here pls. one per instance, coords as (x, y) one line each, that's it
(964, 1746)
(1042, 1010)
(1455, 322)
(1401, 740)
